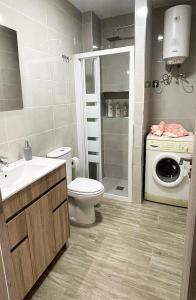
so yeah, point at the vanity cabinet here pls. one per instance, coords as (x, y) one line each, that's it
(20, 254)
(36, 239)
(23, 272)
(48, 227)
(38, 227)
(61, 226)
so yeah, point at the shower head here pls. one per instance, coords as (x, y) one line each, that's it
(118, 38)
(114, 39)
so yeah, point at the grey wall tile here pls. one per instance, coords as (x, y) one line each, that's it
(108, 29)
(46, 30)
(172, 104)
(115, 147)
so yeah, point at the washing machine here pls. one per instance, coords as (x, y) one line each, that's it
(168, 169)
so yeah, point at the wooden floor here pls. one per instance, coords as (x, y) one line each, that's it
(134, 252)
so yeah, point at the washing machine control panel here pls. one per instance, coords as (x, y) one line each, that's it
(170, 146)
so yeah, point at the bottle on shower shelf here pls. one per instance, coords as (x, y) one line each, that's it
(125, 110)
(109, 108)
(117, 109)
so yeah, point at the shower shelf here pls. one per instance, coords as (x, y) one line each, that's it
(105, 117)
(116, 95)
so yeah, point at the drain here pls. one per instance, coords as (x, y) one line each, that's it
(120, 188)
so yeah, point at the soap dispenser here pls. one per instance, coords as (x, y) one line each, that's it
(27, 151)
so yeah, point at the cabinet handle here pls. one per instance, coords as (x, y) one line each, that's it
(59, 205)
(19, 243)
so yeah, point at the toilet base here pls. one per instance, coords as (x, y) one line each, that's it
(81, 215)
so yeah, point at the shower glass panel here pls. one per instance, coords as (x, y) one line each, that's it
(90, 76)
(104, 83)
(92, 117)
(115, 122)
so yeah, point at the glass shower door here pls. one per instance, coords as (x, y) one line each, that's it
(92, 116)
(115, 122)
(104, 86)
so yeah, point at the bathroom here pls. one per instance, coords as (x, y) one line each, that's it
(89, 78)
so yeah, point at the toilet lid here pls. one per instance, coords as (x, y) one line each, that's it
(85, 185)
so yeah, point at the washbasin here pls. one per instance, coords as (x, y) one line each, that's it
(21, 173)
(17, 175)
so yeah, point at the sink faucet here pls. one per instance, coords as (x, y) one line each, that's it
(3, 163)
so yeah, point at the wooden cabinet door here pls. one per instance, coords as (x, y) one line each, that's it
(36, 238)
(23, 272)
(17, 229)
(61, 225)
(3, 285)
(20, 254)
(41, 234)
(47, 228)
(7, 286)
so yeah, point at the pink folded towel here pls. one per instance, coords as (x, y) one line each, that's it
(171, 130)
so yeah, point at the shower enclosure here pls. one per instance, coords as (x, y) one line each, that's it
(104, 82)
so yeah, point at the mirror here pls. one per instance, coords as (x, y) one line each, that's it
(10, 80)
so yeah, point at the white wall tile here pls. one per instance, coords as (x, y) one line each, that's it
(35, 9)
(3, 137)
(15, 122)
(37, 92)
(4, 151)
(64, 114)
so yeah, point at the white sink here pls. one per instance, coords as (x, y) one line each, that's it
(21, 173)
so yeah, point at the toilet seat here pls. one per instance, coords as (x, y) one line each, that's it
(85, 186)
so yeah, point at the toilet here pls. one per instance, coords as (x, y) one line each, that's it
(84, 193)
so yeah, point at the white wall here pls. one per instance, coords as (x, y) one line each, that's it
(173, 104)
(46, 30)
(141, 99)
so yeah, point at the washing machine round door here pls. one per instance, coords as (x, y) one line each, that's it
(167, 170)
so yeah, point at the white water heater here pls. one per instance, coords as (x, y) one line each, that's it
(177, 25)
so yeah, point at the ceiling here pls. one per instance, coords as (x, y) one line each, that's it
(105, 8)
(161, 3)
(110, 8)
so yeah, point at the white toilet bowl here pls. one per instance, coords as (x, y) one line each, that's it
(84, 194)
